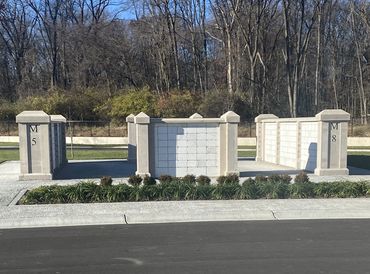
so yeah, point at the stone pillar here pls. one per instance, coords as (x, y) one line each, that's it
(34, 145)
(59, 148)
(229, 143)
(142, 122)
(260, 138)
(131, 132)
(332, 142)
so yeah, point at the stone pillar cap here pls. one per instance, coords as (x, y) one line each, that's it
(130, 118)
(261, 117)
(231, 117)
(333, 115)
(196, 116)
(34, 116)
(58, 118)
(142, 118)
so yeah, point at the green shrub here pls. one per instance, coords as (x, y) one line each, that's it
(217, 102)
(302, 190)
(226, 191)
(106, 181)
(228, 179)
(203, 192)
(177, 104)
(301, 178)
(203, 180)
(150, 192)
(249, 189)
(76, 104)
(260, 179)
(275, 178)
(341, 189)
(132, 101)
(118, 193)
(177, 190)
(273, 190)
(149, 181)
(189, 179)
(165, 178)
(8, 110)
(135, 180)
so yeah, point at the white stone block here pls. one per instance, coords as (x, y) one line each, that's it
(182, 163)
(201, 163)
(163, 143)
(171, 149)
(162, 136)
(201, 156)
(162, 130)
(171, 157)
(163, 157)
(182, 157)
(192, 150)
(182, 149)
(162, 164)
(192, 163)
(172, 130)
(180, 172)
(201, 149)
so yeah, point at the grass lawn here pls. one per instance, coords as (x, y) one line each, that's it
(80, 154)
(246, 153)
(356, 159)
(9, 155)
(7, 144)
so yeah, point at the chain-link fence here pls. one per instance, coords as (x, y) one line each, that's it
(75, 128)
(105, 129)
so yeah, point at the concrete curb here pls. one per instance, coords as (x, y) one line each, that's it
(16, 216)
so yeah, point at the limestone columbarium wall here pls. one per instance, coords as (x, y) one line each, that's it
(181, 146)
(42, 144)
(316, 144)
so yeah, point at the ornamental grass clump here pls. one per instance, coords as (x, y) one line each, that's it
(302, 177)
(163, 179)
(203, 180)
(228, 179)
(106, 181)
(274, 186)
(149, 181)
(250, 189)
(135, 180)
(189, 179)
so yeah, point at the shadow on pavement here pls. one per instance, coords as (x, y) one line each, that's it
(254, 173)
(96, 169)
(358, 171)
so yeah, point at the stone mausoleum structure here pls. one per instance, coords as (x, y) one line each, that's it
(181, 146)
(317, 144)
(42, 144)
(196, 145)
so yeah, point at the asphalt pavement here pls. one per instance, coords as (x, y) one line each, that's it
(302, 246)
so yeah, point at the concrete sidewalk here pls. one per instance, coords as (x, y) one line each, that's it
(181, 211)
(12, 216)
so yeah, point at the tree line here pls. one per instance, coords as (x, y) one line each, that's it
(288, 57)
